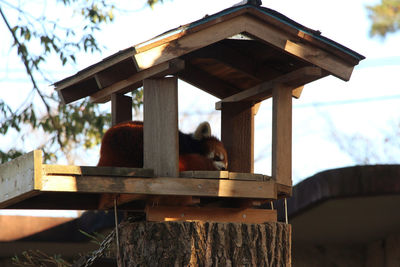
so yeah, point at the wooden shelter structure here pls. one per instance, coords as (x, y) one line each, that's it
(242, 55)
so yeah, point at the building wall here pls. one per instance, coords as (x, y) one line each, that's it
(384, 252)
(381, 253)
(327, 255)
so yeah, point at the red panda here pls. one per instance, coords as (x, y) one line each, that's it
(122, 146)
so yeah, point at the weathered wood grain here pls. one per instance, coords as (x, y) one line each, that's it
(159, 186)
(286, 42)
(205, 174)
(20, 178)
(237, 134)
(188, 43)
(282, 135)
(204, 244)
(96, 171)
(160, 126)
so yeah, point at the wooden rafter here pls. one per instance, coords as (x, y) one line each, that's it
(266, 33)
(80, 90)
(189, 42)
(136, 79)
(289, 44)
(206, 82)
(230, 57)
(263, 91)
(115, 73)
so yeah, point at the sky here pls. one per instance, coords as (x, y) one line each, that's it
(335, 123)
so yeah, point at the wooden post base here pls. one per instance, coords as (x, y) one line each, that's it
(204, 244)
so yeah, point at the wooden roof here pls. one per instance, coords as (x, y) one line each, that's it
(236, 54)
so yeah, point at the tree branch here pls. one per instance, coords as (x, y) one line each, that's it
(25, 60)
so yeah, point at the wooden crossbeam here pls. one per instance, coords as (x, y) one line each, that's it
(167, 213)
(159, 186)
(135, 81)
(263, 91)
(224, 175)
(205, 174)
(27, 183)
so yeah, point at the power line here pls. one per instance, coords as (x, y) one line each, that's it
(350, 101)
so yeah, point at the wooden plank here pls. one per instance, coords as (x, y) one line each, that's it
(296, 93)
(205, 174)
(263, 91)
(92, 70)
(20, 178)
(306, 37)
(189, 42)
(313, 54)
(247, 176)
(237, 134)
(115, 73)
(160, 129)
(121, 108)
(282, 135)
(319, 57)
(160, 186)
(78, 91)
(96, 171)
(168, 213)
(135, 81)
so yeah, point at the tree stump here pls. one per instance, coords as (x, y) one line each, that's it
(204, 244)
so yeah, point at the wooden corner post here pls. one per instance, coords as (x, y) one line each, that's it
(237, 134)
(160, 140)
(282, 135)
(121, 108)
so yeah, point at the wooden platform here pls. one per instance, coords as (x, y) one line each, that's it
(27, 183)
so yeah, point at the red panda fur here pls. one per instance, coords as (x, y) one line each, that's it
(122, 146)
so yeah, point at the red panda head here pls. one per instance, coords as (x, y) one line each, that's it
(213, 148)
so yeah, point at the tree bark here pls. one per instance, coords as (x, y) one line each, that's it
(204, 244)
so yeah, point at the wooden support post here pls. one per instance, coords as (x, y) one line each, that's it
(282, 135)
(161, 143)
(237, 134)
(121, 108)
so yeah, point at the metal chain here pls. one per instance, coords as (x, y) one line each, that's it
(88, 260)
